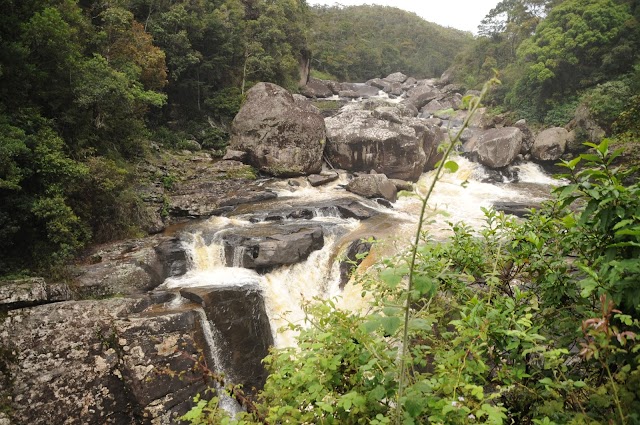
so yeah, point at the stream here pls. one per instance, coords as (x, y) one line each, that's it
(287, 287)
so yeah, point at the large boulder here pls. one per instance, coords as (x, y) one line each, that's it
(267, 246)
(527, 136)
(100, 362)
(550, 144)
(124, 268)
(421, 95)
(373, 186)
(242, 330)
(280, 137)
(358, 140)
(316, 89)
(396, 77)
(585, 129)
(495, 148)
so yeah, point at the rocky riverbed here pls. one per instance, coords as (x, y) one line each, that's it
(236, 242)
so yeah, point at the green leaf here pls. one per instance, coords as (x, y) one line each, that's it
(390, 324)
(392, 276)
(452, 166)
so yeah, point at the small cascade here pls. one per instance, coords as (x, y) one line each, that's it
(238, 254)
(227, 403)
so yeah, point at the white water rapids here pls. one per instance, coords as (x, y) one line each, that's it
(286, 288)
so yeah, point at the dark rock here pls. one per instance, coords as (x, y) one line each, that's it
(281, 138)
(316, 88)
(373, 186)
(385, 203)
(264, 247)
(242, 330)
(322, 178)
(514, 208)
(173, 256)
(495, 148)
(356, 210)
(585, 129)
(31, 292)
(353, 257)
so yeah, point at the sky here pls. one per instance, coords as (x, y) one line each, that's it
(461, 14)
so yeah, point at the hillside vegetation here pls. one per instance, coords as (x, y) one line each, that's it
(358, 43)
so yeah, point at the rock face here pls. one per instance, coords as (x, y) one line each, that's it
(99, 362)
(268, 246)
(242, 330)
(322, 178)
(585, 129)
(550, 144)
(316, 88)
(352, 258)
(30, 292)
(495, 148)
(373, 186)
(360, 141)
(280, 138)
(128, 267)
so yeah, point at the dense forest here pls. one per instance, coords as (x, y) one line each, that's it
(362, 42)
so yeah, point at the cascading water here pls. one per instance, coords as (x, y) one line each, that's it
(457, 197)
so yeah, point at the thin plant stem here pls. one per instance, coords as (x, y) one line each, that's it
(475, 103)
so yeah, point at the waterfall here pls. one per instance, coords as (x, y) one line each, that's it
(457, 197)
(227, 403)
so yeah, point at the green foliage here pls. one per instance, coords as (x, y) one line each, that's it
(361, 42)
(608, 100)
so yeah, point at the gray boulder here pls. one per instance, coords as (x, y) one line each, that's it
(358, 141)
(280, 137)
(495, 148)
(585, 129)
(30, 292)
(122, 268)
(421, 95)
(550, 144)
(373, 186)
(266, 246)
(316, 180)
(101, 362)
(396, 77)
(316, 89)
(380, 84)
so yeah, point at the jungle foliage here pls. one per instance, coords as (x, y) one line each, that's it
(554, 55)
(86, 86)
(358, 43)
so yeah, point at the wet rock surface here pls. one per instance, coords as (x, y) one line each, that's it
(243, 332)
(495, 148)
(374, 186)
(266, 246)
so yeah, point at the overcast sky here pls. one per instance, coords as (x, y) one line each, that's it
(461, 14)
